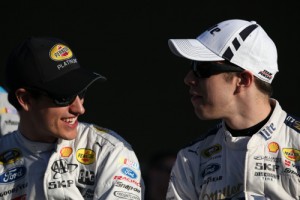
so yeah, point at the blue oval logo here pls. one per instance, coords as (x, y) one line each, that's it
(210, 169)
(129, 172)
(13, 174)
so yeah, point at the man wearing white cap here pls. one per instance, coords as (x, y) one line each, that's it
(254, 152)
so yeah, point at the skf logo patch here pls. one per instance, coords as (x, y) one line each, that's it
(211, 150)
(273, 147)
(66, 151)
(10, 156)
(60, 52)
(85, 156)
(291, 154)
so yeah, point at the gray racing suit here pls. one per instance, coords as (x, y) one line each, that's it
(97, 164)
(220, 166)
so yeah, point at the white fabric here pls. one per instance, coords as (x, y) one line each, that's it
(257, 53)
(220, 166)
(97, 164)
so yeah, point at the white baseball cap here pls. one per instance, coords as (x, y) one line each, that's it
(244, 43)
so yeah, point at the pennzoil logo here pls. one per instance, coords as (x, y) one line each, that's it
(10, 156)
(66, 151)
(291, 154)
(273, 147)
(85, 156)
(60, 52)
(211, 150)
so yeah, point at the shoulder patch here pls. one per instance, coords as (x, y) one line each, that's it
(293, 122)
(101, 129)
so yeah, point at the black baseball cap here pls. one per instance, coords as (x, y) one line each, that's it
(48, 64)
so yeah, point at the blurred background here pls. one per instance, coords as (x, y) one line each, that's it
(145, 99)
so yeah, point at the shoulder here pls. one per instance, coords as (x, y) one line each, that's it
(202, 141)
(293, 122)
(101, 135)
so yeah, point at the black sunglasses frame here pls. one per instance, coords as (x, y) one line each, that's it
(208, 68)
(61, 101)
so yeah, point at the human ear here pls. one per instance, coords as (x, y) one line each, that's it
(245, 78)
(23, 98)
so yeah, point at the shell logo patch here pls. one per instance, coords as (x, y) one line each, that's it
(273, 147)
(60, 52)
(85, 156)
(66, 151)
(291, 154)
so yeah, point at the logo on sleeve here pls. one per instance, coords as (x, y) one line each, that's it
(129, 172)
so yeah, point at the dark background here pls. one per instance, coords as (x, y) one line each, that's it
(145, 99)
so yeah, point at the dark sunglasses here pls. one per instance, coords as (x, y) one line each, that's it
(61, 101)
(207, 69)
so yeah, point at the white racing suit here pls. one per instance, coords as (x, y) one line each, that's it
(9, 117)
(97, 164)
(220, 166)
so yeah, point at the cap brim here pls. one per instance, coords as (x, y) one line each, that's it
(192, 49)
(72, 83)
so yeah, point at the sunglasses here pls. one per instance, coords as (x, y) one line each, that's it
(207, 69)
(58, 101)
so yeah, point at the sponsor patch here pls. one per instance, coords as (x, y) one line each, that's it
(129, 163)
(129, 172)
(12, 175)
(126, 195)
(291, 154)
(10, 156)
(210, 169)
(61, 167)
(273, 147)
(85, 156)
(60, 52)
(206, 153)
(66, 151)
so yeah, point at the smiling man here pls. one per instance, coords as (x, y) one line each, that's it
(52, 155)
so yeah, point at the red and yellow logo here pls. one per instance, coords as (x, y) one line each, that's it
(273, 147)
(66, 151)
(291, 154)
(85, 156)
(60, 52)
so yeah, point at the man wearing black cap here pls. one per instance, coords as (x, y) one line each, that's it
(52, 155)
(254, 152)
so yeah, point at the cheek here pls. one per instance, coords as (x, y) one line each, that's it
(48, 117)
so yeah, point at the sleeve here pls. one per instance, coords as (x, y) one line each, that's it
(119, 175)
(9, 117)
(181, 184)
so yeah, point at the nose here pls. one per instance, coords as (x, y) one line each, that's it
(190, 79)
(77, 106)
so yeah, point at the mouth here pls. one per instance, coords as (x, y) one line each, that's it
(70, 121)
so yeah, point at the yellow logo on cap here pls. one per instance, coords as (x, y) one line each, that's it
(60, 52)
